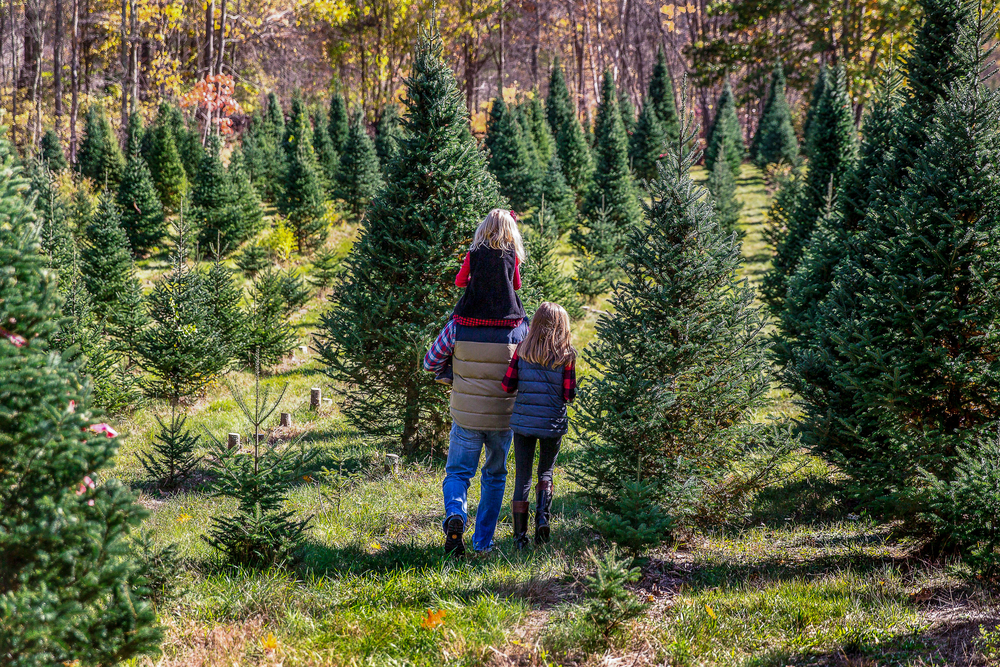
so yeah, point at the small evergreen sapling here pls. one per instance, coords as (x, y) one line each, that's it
(213, 200)
(610, 604)
(248, 213)
(173, 457)
(223, 313)
(253, 259)
(722, 185)
(775, 141)
(327, 267)
(99, 157)
(326, 154)
(52, 152)
(106, 262)
(338, 122)
(725, 138)
(635, 520)
(267, 336)
(141, 211)
(359, 176)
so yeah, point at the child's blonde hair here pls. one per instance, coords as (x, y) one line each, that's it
(548, 342)
(499, 231)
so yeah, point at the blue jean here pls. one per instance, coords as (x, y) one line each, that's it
(464, 449)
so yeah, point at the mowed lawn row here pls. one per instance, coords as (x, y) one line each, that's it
(794, 581)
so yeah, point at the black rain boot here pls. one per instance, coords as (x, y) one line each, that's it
(519, 515)
(543, 503)
(454, 545)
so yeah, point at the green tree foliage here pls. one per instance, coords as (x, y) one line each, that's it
(52, 152)
(722, 185)
(359, 177)
(253, 259)
(129, 318)
(681, 367)
(610, 603)
(558, 197)
(135, 135)
(265, 159)
(222, 307)
(267, 337)
(339, 122)
(509, 159)
(302, 197)
(387, 134)
(247, 210)
(571, 144)
(598, 241)
(53, 210)
(661, 94)
(212, 198)
(541, 133)
(627, 110)
(164, 161)
(326, 155)
(725, 132)
(99, 157)
(647, 143)
(106, 264)
(436, 192)
(187, 138)
(775, 140)
(815, 99)
(173, 456)
(635, 521)
(141, 211)
(70, 589)
(541, 274)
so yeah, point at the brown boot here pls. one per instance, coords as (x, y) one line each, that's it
(519, 514)
(543, 503)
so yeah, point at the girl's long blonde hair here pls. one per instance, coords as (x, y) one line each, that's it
(548, 342)
(499, 231)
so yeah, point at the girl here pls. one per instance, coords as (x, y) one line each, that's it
(491, 276)
(543, 375)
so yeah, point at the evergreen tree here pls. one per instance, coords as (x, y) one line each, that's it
(127, 322)
(265, 156)
(509, 159)
(387, 134)
(327, 268)
(222, 307)
(541, 133)
(647, 143)
(437, 191)
(253, 259)
(326, 155)
(99, 157)
(164, 161)
(598, 242)
(833, 151)
(541, 275)
(627, 110)
(275, 115)
(248, 213)
(135, 135)
(722, 185)
(106, 262)
(213, 201)
(173, 458)
(70, 589)
(359, 177)
(267, 336)
(725, 131)
(524, 125)
(815, 99)
(141, 211)
(187, 139)
(661, 94)
(557, 196)
(51, 207)
(681, 367)
(339, 122)
(775, 139)
(571, 143)
(612, 188)
(52, 152)
(302, 199)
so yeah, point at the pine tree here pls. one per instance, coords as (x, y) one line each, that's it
(359, 177)
(173, 457)
(388, 132)
(725, 131)
(222, 307)
(339, 122)
(302, 199)
(541, 133)
(70, 588)
(647, 143)
(267, 336)
(99, 157)
(53, 210)
(775, 139)
(541, 273)
(327, 268)
(815, 98)
(437, 191)
(680, 362)
(164, 161)
(722, 185)
(661, 94)
(326, 155)
(141, 211)
(253, 259)
(557, 196)
(106, 262)
(52, 152)
(274, 115)
(188, 142)
(833, 151)
(126, 324)
(509, 159)
(627, 110)
(612, 188)
(265, 156)
(524, 125)
(610, 604)
(248, 213)
(213, 200)
(598, 242)
(135, 135)
(571, 144)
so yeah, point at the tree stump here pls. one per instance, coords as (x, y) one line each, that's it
(392, 463)
(286, 419)
(315, 398)
(234, 440)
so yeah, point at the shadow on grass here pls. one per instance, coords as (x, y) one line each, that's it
(805, 501)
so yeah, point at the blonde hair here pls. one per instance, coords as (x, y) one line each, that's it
(548, 342)
(499, 230)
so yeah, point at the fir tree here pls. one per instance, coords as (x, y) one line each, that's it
(141, 211)
(164, 161)
(627, 110)
(70, 589)
(129, 319)
(275, 115)
(387, 134)
(265, 156)
(437, 191)
(173, 458)
(222, 307)
(51, 207)
(542, 274)
(326, 155)
(339, 122)
(106, 262)
(52, 152)
(541, 133)
(598, 243)
(722, 185)
(612, 188)
(571, 144)
(99, 157)
(267, 336)
(248, 214)
(661, 94)
(509, 159)
(775, 139)
(680, 361)
(135, 135)
(213, 200)
(359, 177)
(253, 259)
(524, 125)
(725, 131)
(647, 143)
(610, 604)
(557, 196)
(815, 99)
(302, 199)
(187, 139)
(327, 268)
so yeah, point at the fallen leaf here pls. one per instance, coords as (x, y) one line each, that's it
(711, 612)
(433, 619)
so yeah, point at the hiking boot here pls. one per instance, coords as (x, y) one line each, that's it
(543, 503)
(454, 545)
(519, 515)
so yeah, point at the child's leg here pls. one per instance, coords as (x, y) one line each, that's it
(549, 450)
(524, 456)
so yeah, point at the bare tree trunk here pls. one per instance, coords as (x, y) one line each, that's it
(74, 81)
(33, 15)
(134, 62)
(209, 37)
(500, 60)
(13, 74)
(39, 31)
(222, 38)
(57, 63)
(126, 56)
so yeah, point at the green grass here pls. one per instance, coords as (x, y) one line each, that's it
(796, 582)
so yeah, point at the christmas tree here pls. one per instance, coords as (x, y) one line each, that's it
(213, 200)
(164, 161)
(661, 94)
(99, 157)
(262, 147)
(302, 199)
(722, 185)
(187, 138)
(509, 159)
(598, 241)
(815, 99)
(775, 139)
(359, 177)
(267, 336)
(70, 589)
(248, 214)
(126, 323)
(53, 210)
(338, 122)
(627, 110)
(647, 143)
(612, 188)
(681, 367)
(222, 307)
(52, 152)
(387, 134)
(571, 144)
(173, 457)
(106, 262)
(141, 211)
(135, 135)
(437, 191)
(326, 155)
(558, 197)
(253, 259)
(542, 275)
(725, 131)
(541, 133)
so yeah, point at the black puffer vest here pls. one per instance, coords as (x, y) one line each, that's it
(490, 294)
(540, 411)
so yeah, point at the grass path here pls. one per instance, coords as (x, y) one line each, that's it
(795, 582)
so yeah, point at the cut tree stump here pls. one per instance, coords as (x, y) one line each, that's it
(234, 440)
(315, 398)
(286, 419)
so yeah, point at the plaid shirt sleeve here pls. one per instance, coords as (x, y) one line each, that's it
(442, 348)
(509, 382)
(569, 382)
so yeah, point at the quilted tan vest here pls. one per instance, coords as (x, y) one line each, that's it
(478, 402)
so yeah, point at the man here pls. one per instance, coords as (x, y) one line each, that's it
(480, 412)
